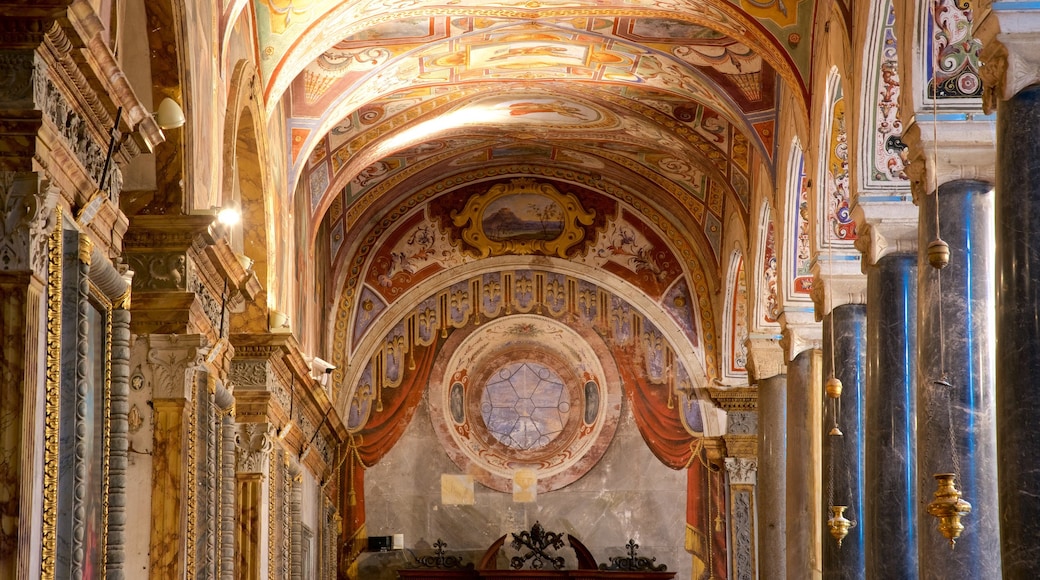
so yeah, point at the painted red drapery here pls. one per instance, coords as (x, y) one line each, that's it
(379, 435)
(665, 434)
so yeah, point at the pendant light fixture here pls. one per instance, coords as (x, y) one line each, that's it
(947, 505)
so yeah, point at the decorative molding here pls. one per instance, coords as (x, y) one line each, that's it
(742, 470)
(253, 445)
(52, 404)
(737, 399)
(27, 219)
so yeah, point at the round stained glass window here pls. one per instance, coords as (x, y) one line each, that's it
(524, 405)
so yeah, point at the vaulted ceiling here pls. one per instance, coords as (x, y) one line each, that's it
(666, 108)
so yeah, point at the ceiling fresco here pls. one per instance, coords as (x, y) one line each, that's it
(294, 33)
(608, 139)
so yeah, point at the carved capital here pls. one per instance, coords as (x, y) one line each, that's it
(1011, 51)
(885, 228)
(948, 151)
(27, 204)
(765, 357)
(171, 362)
(799, 338)
(837, 282)
(742, 470)
(253, 444)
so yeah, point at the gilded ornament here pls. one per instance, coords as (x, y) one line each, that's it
(949, 507)
(838, 524)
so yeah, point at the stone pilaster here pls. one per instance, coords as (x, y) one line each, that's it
(742, 475)
(253, 448)
(164, 367)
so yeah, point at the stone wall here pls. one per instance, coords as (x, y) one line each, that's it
(628, 494)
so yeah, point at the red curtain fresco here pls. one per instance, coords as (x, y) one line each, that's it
(370, 444)
(665, 434)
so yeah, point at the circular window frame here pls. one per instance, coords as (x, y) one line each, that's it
(575, 352)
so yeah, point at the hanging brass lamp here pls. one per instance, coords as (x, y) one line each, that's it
(938, 253)
(833, 387)
(948, 507)
(838, 524)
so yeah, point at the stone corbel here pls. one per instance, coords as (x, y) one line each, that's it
(949, 151)
(27, 204)
(253, 445)
(885, 228)
(765, 357)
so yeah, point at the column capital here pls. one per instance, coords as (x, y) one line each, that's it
(26, 219)
(765, 357)
(949, 150)
(837, 282)
(799, 338)
(1010, 34)
(885, 228)
(172, 361)
(742, 470)
(253, 444)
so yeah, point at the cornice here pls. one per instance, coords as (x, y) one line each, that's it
(735, 399)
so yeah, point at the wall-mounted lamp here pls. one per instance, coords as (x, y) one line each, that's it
(169, 115)
(229, 216)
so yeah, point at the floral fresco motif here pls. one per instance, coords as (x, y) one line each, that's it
(954, 64)
(842, 227)
(735, 368)
(803, 277)
(890, 153)
(770, 296)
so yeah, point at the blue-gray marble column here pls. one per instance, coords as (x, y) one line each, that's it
(1018, 331)
(889, 516)
(967, 404)
(800, 488)
(772, 474)
(843, 455)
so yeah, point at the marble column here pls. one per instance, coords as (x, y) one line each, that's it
(890, 487)
(766, 368)
(1018, 333)
(843, 455)
(772, 471)
(802, 407)
(967, 405)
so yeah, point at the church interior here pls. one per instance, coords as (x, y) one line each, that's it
(368, 289)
